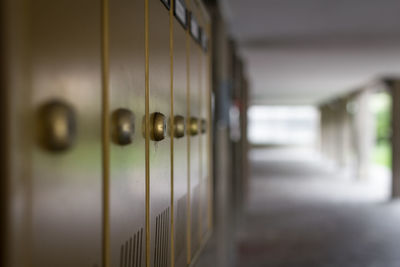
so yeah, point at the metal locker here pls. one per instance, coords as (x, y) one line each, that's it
(54, 211)
(127, 149)
(193, 128)
(180, 160)
(159, 86)
(204, 212)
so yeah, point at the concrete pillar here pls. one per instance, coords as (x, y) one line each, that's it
(333, 133)
(327, 133)
(394, 86)
(329, 141)
(337, 138)
(322, 129)
(344, 133)
(363, 132)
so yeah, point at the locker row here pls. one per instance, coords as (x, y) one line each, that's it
(110, 129)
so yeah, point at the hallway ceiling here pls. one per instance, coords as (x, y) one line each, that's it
(307, 51)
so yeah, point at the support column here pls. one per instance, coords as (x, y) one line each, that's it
(322, 128)
(344, 125)
(394, 86)
(363, 123)
(329, 136)
(328, 142)
(332, 136)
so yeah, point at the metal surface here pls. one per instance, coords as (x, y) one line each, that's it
(127, 163)
(158, 126)
(65, 213)
(179, 125)
(104, 92)
(204, 148)
(56, 125)
(193, 128)
(159, 151)
(180, 159)
(194, 153)
(123, 126)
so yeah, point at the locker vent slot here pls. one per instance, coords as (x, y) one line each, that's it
(204, 208)
(131, 251)
(180, 227)
(161, 254)
(195, 219)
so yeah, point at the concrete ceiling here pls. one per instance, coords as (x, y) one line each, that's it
(307, 51)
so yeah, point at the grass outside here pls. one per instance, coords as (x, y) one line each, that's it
(382, 154)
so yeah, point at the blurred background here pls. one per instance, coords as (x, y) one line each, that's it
(323, 137)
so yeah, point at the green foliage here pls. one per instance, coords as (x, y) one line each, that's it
(382, 153)
(381, 106)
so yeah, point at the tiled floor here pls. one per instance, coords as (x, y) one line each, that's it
(302, 213)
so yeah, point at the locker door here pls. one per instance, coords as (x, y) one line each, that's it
(57, 179)
(180, 141)
(204, 153)
(209, 123)
(193, 129)
(127, 151)
(159, 146)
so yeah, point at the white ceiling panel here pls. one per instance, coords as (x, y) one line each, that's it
(306, 51)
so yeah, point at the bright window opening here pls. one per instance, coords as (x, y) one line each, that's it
(283, 125)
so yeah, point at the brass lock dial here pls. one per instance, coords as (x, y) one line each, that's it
(123, 126)
(179, 126)
(193, 126)
(158, 126)
(56, 126)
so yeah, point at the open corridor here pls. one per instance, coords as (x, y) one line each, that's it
(301, 212)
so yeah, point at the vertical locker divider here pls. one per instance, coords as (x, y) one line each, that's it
(105, 94)
(209, 129)
(201, 145)
(188, 114)
(172, 131)
(200, 102)
(147, 131)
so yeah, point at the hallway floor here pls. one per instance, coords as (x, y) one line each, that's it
(302, 213)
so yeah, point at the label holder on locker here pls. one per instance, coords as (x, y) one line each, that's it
(166, 3)
(194, 27)
(181, 13)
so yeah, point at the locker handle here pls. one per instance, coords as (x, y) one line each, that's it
(123, 126)
(179, 126)
(193, 126)
(158, 126)
(56, 126)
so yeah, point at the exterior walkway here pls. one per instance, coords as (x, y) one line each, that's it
(302, 213)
